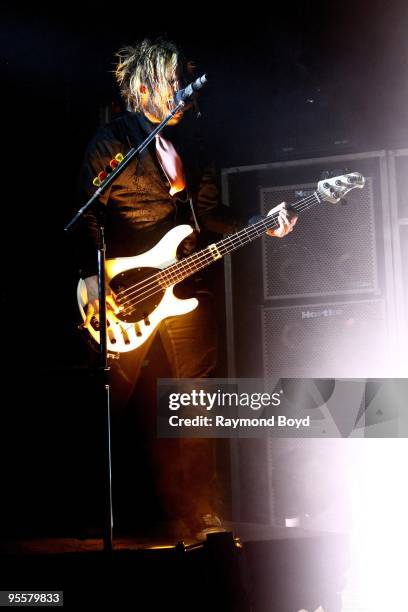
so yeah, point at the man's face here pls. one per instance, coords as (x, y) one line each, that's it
(157, 105)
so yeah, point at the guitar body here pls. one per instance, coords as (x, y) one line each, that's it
(128, 331)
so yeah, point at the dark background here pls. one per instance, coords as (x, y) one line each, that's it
(289, 80)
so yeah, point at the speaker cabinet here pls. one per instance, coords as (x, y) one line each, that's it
(320, 301)
(326, 301)
(332, 250)
(329, 340)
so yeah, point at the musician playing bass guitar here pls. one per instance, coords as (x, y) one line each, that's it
(170, 184)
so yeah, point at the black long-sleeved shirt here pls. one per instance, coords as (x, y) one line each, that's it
(138, 208)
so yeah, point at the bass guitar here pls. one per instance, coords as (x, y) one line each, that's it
(143, 285)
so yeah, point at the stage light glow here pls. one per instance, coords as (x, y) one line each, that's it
(379, 537)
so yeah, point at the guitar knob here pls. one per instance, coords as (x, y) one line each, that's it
(326, 185)
(338, 183)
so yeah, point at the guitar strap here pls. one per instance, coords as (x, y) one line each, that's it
(172, 166)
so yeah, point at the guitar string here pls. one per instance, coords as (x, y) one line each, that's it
(196, 256)
(202, 259)
(195, 262)
(206, 257)
(153, 287)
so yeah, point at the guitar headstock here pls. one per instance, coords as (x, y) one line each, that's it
(333, 189)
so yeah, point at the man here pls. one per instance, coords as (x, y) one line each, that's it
(171, 183)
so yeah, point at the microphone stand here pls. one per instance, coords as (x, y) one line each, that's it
(103, 367)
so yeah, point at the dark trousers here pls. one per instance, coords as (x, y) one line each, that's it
(182, 471)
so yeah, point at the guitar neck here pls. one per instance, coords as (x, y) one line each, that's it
(203, 258)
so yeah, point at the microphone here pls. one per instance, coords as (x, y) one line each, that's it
(188, 91)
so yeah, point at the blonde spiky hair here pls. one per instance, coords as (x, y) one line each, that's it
(148, 63)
